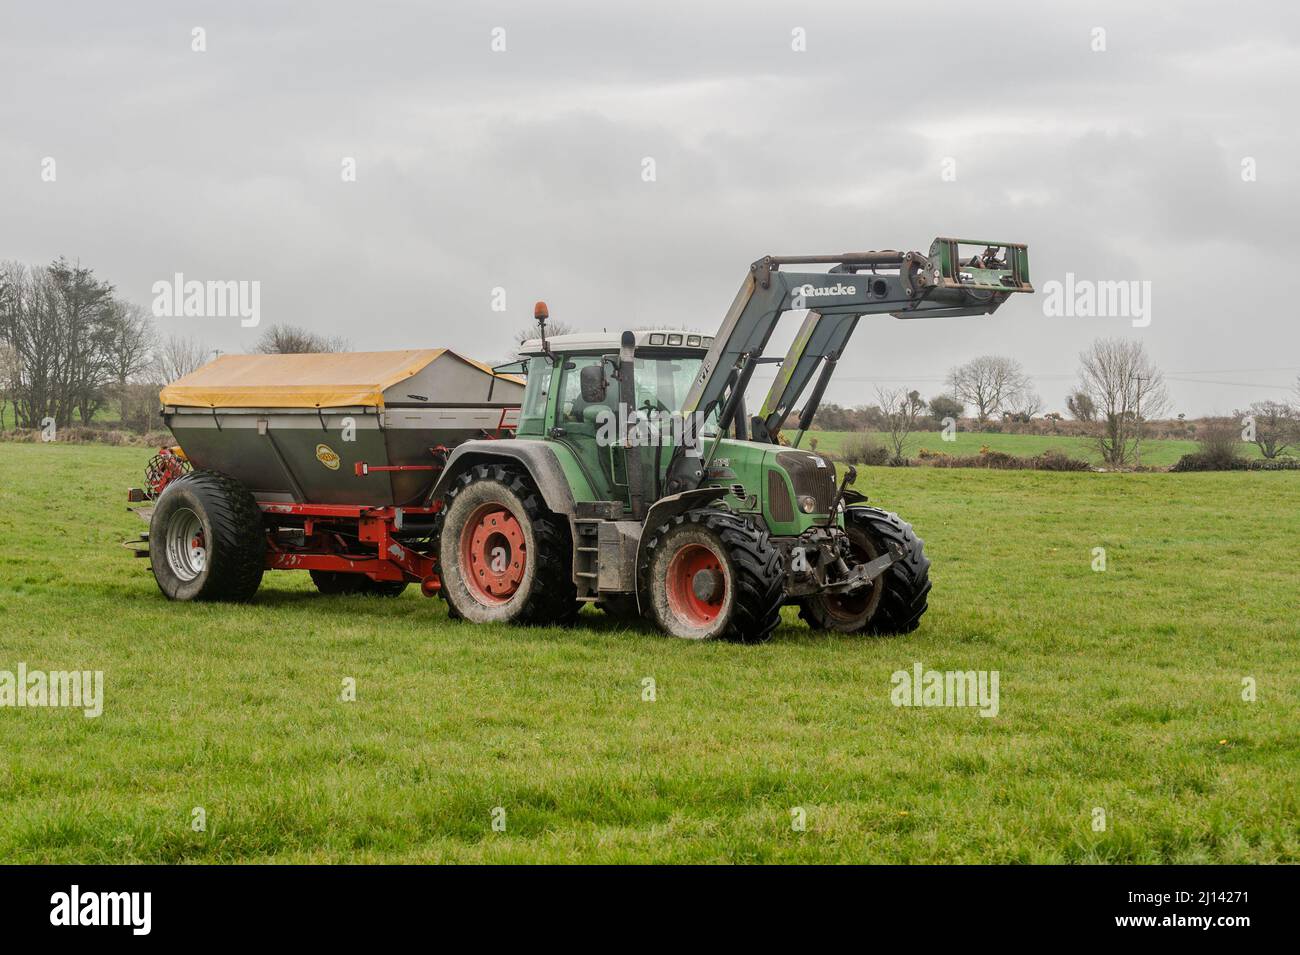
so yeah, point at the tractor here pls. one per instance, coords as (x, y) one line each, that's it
(634, 477)
(638, 480)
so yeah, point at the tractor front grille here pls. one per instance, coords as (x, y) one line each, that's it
(779, 501)
(809, 479)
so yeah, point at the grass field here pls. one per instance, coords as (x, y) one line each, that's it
(1119, 690)
(1155, 452)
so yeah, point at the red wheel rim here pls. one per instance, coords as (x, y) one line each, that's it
(696, 585)
(493, 554)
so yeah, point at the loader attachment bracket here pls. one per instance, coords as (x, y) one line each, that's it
(970, 264)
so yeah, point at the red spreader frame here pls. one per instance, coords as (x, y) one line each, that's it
(339, 537)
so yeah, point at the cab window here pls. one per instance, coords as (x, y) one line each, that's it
(572, 408)
(532, 412)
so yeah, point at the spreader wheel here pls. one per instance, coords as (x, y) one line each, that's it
(505, 558)
(206, 540)
(710, 573)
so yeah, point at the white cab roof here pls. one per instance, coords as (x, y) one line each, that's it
(610, 341)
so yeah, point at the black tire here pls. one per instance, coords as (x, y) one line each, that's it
(620, 607)
(334, 582)
(897, 598)
(545, 592)
(386, 588)
(745, 576)
(206, 539)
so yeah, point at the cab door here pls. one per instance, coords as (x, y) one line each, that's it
(590, 429)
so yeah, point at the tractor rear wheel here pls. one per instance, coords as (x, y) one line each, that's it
(206, 539)
(894, 601)
(710, 573)
(332, 582)
(503, 557)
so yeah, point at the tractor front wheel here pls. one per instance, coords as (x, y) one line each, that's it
(894, 602)
(709, 573)
(503, 557)
(206, 539)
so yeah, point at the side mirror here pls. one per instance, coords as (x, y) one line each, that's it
(591, 380)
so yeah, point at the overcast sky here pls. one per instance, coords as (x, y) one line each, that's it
(522, 169)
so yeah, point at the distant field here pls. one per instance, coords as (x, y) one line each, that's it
(1154, 452)
(1119, 690)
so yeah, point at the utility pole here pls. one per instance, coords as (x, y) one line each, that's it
(1137, 415)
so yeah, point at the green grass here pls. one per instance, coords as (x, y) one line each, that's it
(1119, 690)
(1155, 452)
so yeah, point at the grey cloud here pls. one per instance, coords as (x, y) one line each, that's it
(522, 169)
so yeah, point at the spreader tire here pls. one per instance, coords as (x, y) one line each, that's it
(895, 601)
(206, 540)
(503, 557)
(710, 574)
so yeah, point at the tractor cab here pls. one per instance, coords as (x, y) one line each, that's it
(666, 365)
(586, 395)
(574, 398)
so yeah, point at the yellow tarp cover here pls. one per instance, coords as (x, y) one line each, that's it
(335, 380)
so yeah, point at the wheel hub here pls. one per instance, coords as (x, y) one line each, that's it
(696, 587)
(185, 544)
(707, 585)
(493, 554)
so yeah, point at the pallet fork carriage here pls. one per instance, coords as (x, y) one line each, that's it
(593, 498)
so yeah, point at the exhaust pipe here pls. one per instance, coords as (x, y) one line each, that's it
(631, 445)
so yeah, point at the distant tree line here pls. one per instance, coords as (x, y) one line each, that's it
(1119, 394)
(71, 347)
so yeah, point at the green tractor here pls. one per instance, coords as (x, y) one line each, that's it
(639, 481)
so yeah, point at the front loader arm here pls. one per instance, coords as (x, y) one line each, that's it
(820, 343)
(944, 283)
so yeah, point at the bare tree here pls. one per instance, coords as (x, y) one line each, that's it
(1027, 405)
(529, 332)
(83, 310)
(1271, 425)
(8, 376)
(292, 340)
(989, 383)
(57, 321)
(176, 357)
(26, 323)
(130, 347)
(902, 412)
(1127, 389)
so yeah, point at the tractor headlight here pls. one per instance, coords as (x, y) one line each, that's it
(807, 504)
